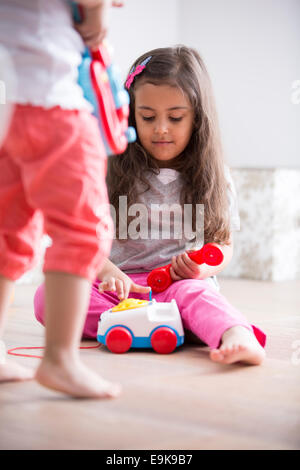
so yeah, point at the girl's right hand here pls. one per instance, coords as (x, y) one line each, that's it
(122, 285)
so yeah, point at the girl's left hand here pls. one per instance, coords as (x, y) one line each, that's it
(184, 268)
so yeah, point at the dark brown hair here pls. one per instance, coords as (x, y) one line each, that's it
(201, 164)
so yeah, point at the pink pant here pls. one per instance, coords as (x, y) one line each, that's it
(52, 179)
(203, 309)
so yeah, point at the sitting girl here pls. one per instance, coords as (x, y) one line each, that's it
(175, 163)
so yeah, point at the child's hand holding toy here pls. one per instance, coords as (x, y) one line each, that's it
(93, 28)
(183, 267)
(101, 84)
(161, 278)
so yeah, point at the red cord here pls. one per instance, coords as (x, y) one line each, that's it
(10, 351)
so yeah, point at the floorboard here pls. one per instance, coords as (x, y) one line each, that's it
(177, 401)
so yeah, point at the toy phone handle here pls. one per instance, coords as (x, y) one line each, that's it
(209, 254)
(160, 279)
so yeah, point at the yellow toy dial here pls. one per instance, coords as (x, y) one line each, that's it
(127, 304)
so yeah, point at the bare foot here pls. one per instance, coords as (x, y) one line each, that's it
(238, 345)
(75, 379)
(13, 372)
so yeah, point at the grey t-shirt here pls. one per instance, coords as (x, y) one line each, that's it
(160, 228)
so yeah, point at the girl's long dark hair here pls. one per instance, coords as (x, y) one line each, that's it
(201, 164)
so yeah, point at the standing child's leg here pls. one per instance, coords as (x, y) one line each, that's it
(9, 370)
(60, 163)
(66, 304)
(72, 195)
(99, 303)
(20, 231)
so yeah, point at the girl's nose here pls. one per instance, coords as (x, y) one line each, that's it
(161, 127)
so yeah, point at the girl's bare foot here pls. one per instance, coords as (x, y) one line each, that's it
(13, 372)
(75, 379)
(238, 345)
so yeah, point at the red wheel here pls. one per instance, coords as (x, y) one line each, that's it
(164, 340)
(118, 340)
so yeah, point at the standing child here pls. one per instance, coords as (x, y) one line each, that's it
(52, 178)
(176, 161)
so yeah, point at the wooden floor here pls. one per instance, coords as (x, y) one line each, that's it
(179, 401)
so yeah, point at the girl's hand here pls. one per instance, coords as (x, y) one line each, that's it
(122, 285)
(184, 268)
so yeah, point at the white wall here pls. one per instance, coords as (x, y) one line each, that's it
(142, 25)
(251, 48)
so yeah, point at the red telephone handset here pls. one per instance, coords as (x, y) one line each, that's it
(160, 279)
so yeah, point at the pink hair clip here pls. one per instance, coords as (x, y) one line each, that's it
(136, 71)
